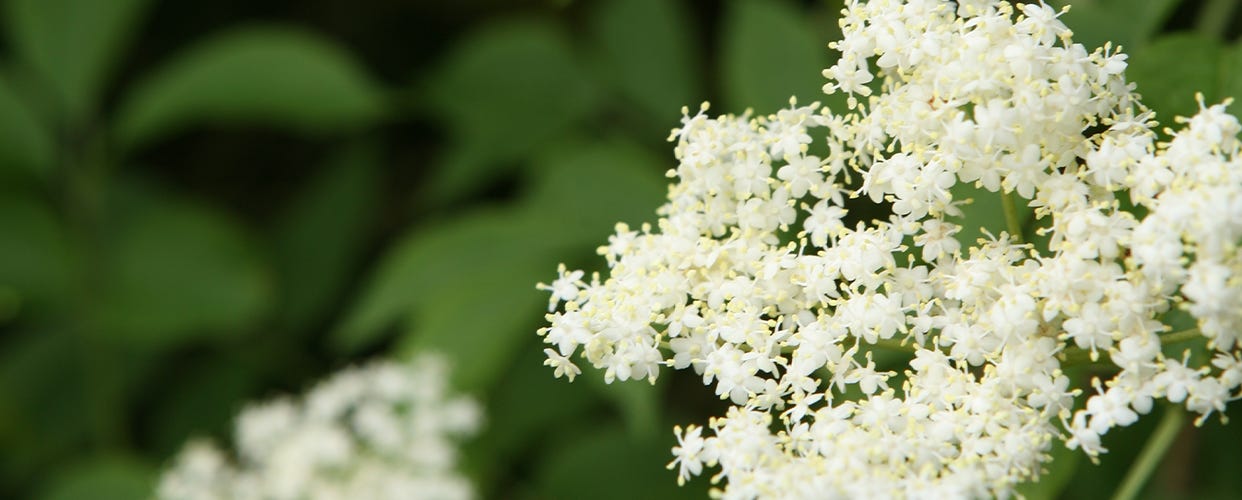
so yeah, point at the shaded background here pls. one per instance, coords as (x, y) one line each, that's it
(208, 203)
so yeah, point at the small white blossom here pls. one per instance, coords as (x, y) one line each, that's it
(782, 320)
(382, 431)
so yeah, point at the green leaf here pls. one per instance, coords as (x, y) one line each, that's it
(467, 286)
(321, 233)
(583, 190)
(610, 463)
(273, 76)
(442, 259)
(1095, 22)
(535, 406)
(648, 55)
(637, 401)
(108, 476)
(43, 400)
(1171, 69)
(1231, 78)
(1102, 480)
(177, 270)
(36, 259)
(74, 44)
(466, 289)
(25, 143)
(984, 212)
(200, 399)
(1060, 470)
(770, 53)
(505, 91)
(1217, 459)
(482, 321)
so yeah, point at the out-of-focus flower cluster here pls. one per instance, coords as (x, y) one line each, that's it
(383, 431)
(753, 279)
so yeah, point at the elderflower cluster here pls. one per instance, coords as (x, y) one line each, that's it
(382, 431)
(756, 277)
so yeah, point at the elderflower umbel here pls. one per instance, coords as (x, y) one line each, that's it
(383, 431)
(752, 278)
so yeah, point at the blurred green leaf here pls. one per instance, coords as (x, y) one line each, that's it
(1060, 470)
(770, 53)
(467, 286)
(1178, 319)
(42, 400)
(1218, 459)
(824, 18)
(25, 143)
(985, 212)
(200, 401)
(1231, 77)
(75, 44)
(178, 270)
(275, 76)
(648, 49)
(105, 477)
(1172, 68)
(505, 91)
(583, 190)
(1094, 481)
(1097, 21)
(535, 405)
(637, 401)
(433, 261)
(610, 463)
(321, 233)
(481, 317)
(36, 263)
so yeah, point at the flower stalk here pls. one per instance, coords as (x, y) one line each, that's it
(1153, 452)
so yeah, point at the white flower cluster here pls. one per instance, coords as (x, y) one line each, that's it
(753, 279)
(383, 431)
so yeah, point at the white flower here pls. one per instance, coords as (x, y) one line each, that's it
(824, 220)
(783, 320)
(689, 453)
(381, 431)
(1109, 409)
(565, 288)
(562, 365)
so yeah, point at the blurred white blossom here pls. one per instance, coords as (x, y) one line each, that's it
(383, 431)
(753, 278)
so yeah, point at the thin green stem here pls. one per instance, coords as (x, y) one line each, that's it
(1153, 452)
(84, 170)
(1180, 336)
(1011, 217)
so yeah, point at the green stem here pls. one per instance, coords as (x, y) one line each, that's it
(1011, 217)
(1214, 17)
(1180, 336)
(85, 173)
(1153, 452)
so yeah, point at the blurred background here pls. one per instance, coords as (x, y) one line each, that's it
(209, 203)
